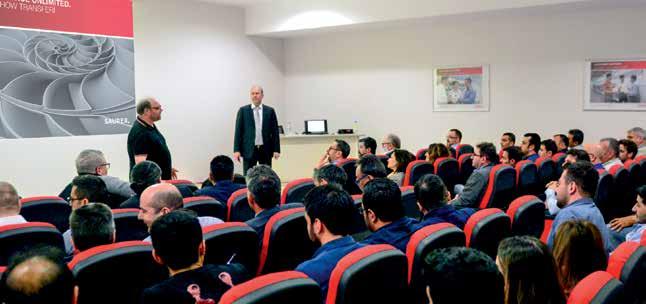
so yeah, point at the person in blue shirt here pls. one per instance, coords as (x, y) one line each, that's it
(383, 213)
(263, 196)
(530, 146)
(221, 176)
(630, 228)
(329, 212)
(469, 94)
(574, 192)
(432, 197)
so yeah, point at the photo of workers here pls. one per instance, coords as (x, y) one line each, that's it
(616, 85)
(461, 89)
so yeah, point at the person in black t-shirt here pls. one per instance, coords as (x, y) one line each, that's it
(177, 242)
(145, 142)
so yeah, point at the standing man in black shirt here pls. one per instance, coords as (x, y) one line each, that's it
(145, 142)
(256, 138)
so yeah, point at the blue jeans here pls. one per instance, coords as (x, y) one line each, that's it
(617, 238)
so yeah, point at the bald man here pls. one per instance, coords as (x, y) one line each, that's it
(256, 136)
(595, 153)
(161, 199)
(9, 205)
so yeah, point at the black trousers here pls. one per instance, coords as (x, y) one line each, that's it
(260, 156)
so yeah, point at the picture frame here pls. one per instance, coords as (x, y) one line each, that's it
(461, 88)
(615, 85)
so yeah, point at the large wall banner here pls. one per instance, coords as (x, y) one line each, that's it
(615, 84)
(66, 68)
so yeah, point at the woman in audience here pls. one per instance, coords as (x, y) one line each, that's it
(436, 151)
(398, 162)
(529, 271)
(578, 251)
(143, 175)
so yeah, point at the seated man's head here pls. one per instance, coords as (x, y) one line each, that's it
(329, 212)
(574, 155)
(87, 189)
(562, 142)
(548, 148)
(259, 170)
(595, 152)
(575, 136)
(177, 241)
(263, 193)
(9, 200)
(91, 162)
(640, 205)
(454, 137)
(391, 142)
(221, 169)
(158, 200)
(507, 140)
(369, 167)
(485, 154)
(338, 150)
(92, 225)
(144, 175)
(382, 203)
(531, 143)
(578, 180)
(609, 149)
(511, 156)
(637, 135)
(448, 270)
(367, 145)
(627, 150)
(329, 174)
(431, 193)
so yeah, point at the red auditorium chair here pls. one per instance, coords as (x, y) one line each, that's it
(463, 149)
(634, 170)
(423, 241)
(48, 209)
(410, 202)
(233, 242)
(285, 242)
(295, 190)
(415, 170)
(19, 237)
(527, 215)
(238, 209)
(641, 160)
(628, 265)
(598, 287)
(465, 166)
(349, 165)
(2, 270)
(127, 226)
(275, 288)
(448, 170)
(643, 240)
(603, 196)
(559, 159)
(421, 154)
(371, 274)
(500, 188)
(485, 229)
(623, 193)
(185, 187)
(546, 170)
(206, 206)
(527, 178)
(116, 273)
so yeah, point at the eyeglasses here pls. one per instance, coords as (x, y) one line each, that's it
(71, 199)
(107, 165)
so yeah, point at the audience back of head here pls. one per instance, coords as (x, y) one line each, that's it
(430, 192)
(177, 240)
(329, 174)
(88, 189)
(92, 225)
(382, 199)
(329, 210)
(222, 168)
(575, 137)
(259, 170)
(144, 175)
(88, 161)
(264, 191)
(488, 150)
(435, 151)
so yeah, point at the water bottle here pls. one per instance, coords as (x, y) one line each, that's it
(355, 127)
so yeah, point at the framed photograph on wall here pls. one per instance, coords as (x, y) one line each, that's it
(615, 85)
(461, 88)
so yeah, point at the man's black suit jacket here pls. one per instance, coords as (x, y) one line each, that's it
(245, 135)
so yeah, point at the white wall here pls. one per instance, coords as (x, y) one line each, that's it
(383, 77)
(195, 58)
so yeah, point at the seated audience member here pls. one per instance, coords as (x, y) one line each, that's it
(453, 138)
(178, 244)
(329, 213)
(432, 197)
(507, 140)
(609, 153)
(462, 275)
(221, 176)
(9, 205)
(468, 196)
(548, 148)
(85, 189)
(562, 142)
(92, 225)
(575, 137)
(93, 162)
(329, 174)
(572, 156)
(369, 167)
(638, 136)
(38, 275)
(511, 156)
(161, 199)
(337, 151)
(367, 145)
(627, 150)
(529, 271)
(436, 151)
(263, 197)
(383, 213)
(595, 154)
(259, 170)
(578, 251)
(530, 146)
(390, 143)
(574, 193)
(143, 175)
(630, 228)
(398, 162)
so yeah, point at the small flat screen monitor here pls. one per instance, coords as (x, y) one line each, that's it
(316, 126)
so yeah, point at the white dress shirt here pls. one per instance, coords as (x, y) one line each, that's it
(10, 220)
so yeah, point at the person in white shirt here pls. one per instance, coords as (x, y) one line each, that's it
(622, 89)
(638, 136)
(609, 153)
(454, 94)
(441, 94)
(9, 205)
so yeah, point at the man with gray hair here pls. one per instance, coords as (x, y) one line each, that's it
(93, 162)
(92, 225)
(390, 143)
(609, 153)
(9, 205)
(638, 136)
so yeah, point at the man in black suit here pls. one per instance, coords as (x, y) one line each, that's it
(256, 147)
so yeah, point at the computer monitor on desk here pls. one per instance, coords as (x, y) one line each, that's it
(316, 126)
